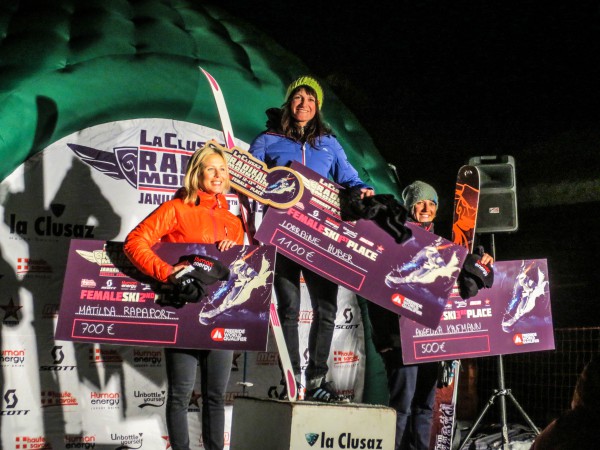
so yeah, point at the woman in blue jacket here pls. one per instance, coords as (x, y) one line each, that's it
(297, 132)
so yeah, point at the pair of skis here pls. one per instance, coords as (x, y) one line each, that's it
(284, 356)
(466, 202)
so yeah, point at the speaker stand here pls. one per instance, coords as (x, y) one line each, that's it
(502, 392)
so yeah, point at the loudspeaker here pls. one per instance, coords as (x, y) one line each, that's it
(497, 211)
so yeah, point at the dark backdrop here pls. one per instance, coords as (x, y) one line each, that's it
(437, 82)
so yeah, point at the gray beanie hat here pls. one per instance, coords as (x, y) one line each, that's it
(418, 191)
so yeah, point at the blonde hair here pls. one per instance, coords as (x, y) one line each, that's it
(192, 181)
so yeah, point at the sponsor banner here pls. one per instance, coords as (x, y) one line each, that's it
(106, 300)
(88, 185)
(258, 374)
(413, 279)
(513, 316)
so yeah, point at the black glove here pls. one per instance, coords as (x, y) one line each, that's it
(205, 269)
(175, 296)
(182, 288)
(188, 285)
(382, 208)
(391, 216)
(467, 286)
(351, 205)
(474, 275)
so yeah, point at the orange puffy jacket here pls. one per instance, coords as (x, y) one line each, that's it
(175, 221)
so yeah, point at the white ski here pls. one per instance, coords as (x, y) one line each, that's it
(222, 107)
(284, 356)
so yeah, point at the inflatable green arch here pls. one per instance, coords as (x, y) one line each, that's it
(69, 65)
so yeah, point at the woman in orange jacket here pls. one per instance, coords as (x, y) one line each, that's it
(199, 213)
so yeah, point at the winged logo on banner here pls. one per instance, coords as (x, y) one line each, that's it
(120, 165)
(96, 257)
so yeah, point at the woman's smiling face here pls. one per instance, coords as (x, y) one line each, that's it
(424, 211)
(303, 107)
(214, 174)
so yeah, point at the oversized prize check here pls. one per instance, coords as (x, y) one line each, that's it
(105, 299)
(513, 316)
(413, 279)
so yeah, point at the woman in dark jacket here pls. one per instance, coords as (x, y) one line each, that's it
(411, 387)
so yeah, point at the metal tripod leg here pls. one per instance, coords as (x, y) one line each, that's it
(500, 392)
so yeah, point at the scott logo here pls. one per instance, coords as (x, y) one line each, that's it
(348, 316)
(57, 354)
(10, 398)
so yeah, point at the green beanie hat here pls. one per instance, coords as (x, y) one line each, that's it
(418, 191)
(307, 81)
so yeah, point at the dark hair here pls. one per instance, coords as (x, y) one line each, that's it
(587, 389)
(313, 130)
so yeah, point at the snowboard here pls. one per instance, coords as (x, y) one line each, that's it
(284, 356)
(466, 201)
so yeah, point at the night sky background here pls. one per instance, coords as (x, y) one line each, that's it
(436, 82)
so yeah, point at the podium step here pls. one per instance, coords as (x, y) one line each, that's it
(268, 424)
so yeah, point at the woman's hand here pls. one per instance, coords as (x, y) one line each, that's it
(225, 244)
(487, 260)
(364, 192)
(177, 267)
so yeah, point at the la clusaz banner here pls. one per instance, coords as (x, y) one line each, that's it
(95, 186)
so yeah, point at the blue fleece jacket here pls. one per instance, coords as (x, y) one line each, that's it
(328, 158)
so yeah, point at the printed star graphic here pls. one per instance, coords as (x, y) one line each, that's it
(194, 399)
(10, 310)
(166, 438)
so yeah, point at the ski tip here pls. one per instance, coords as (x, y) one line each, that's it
(468, 170)
(229, 138)
(211, 79)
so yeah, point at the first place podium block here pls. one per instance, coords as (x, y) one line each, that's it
(267, 424)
